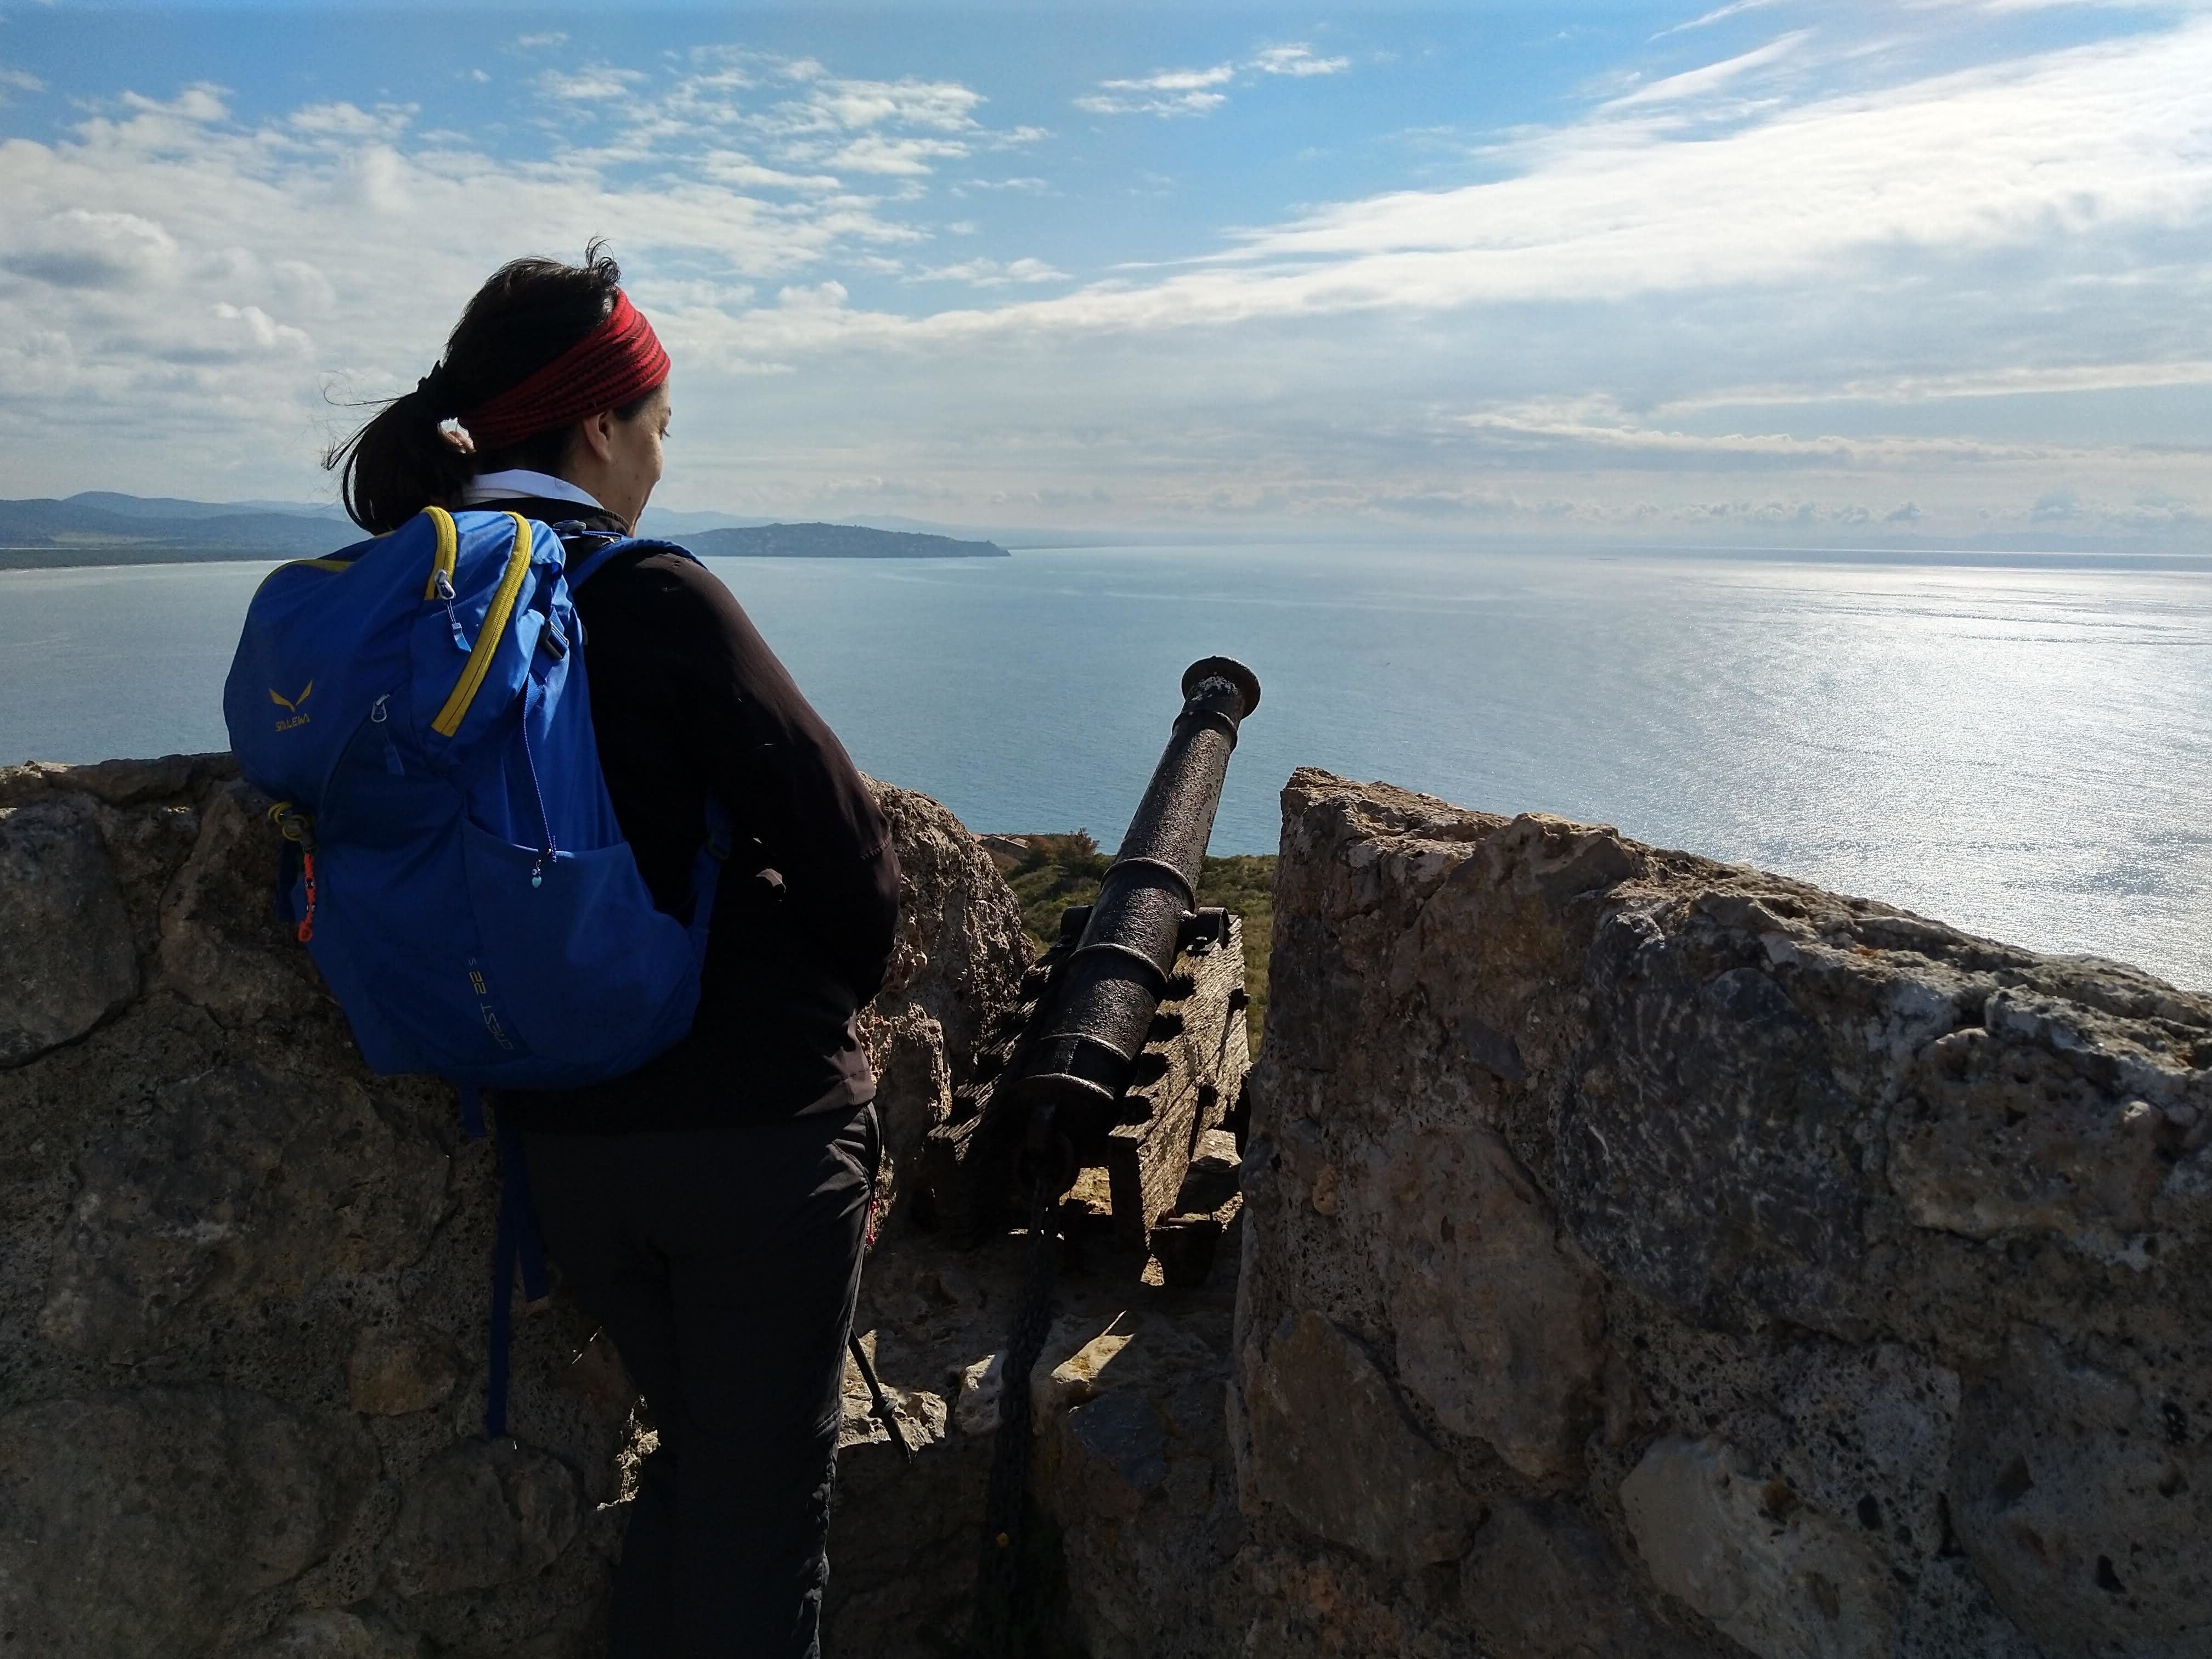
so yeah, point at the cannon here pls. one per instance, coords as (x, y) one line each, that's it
(1127, 1048)
(1122, 1053)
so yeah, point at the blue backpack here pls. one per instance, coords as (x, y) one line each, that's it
(417, 705)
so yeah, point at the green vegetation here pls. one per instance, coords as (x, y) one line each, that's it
(1059, 871)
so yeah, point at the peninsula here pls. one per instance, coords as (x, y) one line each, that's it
(103, 528)
(833, 541)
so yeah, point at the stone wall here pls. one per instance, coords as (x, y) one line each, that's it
(1646, 1256)
(244, 1284)
(1642, 1256)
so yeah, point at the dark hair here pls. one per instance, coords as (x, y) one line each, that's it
(531, 312)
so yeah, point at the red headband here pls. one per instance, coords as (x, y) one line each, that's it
(618, 361)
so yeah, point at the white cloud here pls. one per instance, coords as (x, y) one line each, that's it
(990, 273)
(2005, 381)
(249, 328)
(542, 41)
(879, 153)
(1297, 60)
(593, 84)
(832, 106)
(2051, 149)
(188, 283)
(1176, 80)
(1167, 93)
(1715, 15)
(898, 129)
(2050, 5)
(301, 289)
(1580, 429)
(2024, 231)
(1638, 320)
(347, 121)
(15, 80)
(943, 105)
(203, 101)
(737, 171)
(819, 296)
(1695, 83)
(80, 248)
(1171, 93)
(1165, 104)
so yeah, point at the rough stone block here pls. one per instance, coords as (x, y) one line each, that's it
(1541, 1583)
(598, 1375)
(240, 1184)
(959, 954)
(1993, 1139)
(394, 1371)
(2084, 1502)
(975, 1390)
(333, 1633)
(1116, 1448)
(205, 1185)
(1784, 1580)
(1822, 1164)
(1059, 1384)
(484, 1512)
(135, 1522)
(913, 1094)
(1863, 1431)
(1705, 1152)
(1332, 1446)
(115, 783)
(66, 956)
(222, 946)
(1495, 1314)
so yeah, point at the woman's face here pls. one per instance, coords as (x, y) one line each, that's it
(619, 461)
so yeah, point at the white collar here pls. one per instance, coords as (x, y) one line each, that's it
(518, 482)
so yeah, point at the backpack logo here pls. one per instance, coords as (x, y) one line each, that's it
(292, 705)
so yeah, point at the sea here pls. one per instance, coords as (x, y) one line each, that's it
(2019, 746)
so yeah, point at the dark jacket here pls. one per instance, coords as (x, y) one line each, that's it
(686, 696)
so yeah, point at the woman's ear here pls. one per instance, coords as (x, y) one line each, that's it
(596, 433)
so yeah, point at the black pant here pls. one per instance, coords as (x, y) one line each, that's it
(723, 1263)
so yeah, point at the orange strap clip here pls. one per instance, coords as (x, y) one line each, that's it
(298, 827)
(307, 920)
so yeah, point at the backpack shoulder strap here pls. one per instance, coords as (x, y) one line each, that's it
(590, 550)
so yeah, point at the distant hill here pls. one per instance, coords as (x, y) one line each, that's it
(833, 541)
(42, 534)
(678, 522)
(674, 524)
(99, 528)
(169, 507)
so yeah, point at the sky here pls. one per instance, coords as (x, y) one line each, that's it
(1767, 271)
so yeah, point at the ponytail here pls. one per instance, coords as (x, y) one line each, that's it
(406, 457)
(401, 462)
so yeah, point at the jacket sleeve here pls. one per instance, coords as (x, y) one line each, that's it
(788, 784)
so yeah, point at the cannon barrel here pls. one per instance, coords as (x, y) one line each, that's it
(1072, 1078)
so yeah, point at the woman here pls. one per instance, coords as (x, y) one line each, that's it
(707, 1209)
